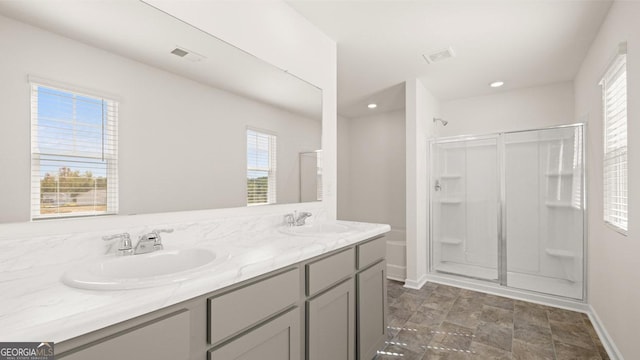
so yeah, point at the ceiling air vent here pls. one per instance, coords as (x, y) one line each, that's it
(179, 52)
(187, 54)
(439, 55)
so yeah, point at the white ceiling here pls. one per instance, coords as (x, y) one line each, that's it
(521, 42)
(141, 32)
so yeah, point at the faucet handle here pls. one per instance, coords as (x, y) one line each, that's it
(116, 236)
(302, 217)
(158, 231)
(289, 219)
(125, 246)
(157, 242)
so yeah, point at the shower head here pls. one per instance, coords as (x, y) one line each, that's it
(444, 122)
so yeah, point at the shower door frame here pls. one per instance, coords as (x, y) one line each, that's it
(502, 206)
(453, 139)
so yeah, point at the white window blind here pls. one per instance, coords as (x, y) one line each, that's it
(614, 97)
(73, 154)
(261, 168)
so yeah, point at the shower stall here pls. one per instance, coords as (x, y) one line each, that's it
(509, 208)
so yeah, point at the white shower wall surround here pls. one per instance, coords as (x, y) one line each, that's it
(509, 208)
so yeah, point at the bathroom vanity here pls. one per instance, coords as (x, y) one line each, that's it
(329, 307)
(277, 296)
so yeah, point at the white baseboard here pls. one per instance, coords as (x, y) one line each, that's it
(416, 284)
(395, 278)
(607, 341)
(396, 272)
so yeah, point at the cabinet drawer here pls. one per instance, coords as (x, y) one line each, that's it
(164, 339)
(232, 312)
(325, 272)
(371, 251)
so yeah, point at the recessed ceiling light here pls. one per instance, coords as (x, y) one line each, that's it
(372, 106)
(496, 84)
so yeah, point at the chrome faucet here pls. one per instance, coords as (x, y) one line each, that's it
(296, 219)
(300, 219)
(150, 242)
(146, 243)
(124, 248)
(289, 219)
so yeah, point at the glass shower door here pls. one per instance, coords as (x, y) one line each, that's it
(465, 204)
(544, 193)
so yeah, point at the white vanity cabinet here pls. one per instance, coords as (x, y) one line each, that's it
(329, 307)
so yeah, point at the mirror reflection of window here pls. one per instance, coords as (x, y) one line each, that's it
(176, 114)
(261, 167)
(73, 154)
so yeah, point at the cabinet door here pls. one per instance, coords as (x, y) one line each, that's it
(278, 339)
(371, 313)
(331, 324)
(163, 339)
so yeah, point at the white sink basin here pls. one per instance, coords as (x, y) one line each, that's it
(141, 271)
(316, 229)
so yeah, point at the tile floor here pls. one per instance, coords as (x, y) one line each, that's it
(444, 322)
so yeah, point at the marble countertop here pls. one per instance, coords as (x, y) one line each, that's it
(36, 306)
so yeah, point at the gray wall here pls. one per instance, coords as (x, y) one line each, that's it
(613, 257)
(371, 169)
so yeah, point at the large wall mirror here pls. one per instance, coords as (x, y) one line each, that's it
(200, 124)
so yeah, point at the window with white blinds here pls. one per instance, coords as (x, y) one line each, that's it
(74, 169)
(261, 168)
(614, 98)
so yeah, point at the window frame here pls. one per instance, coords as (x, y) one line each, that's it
(615, 152)
(271, 169)
(109, 153)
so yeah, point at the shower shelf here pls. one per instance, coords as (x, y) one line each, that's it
(560, 253)
(559, 173)
(451, 201)
(450, 241)
(558, 204)
(450, 176)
